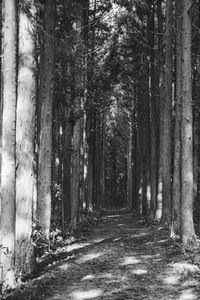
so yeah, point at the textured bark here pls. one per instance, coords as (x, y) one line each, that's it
(153, 112)
(187, 227)
(25, 138)
(90, 169)
(97, 164)
(7, 221)
(129, 167)
(145, 134)
(135, 204)
(46, 102)
(176, 196)
(91, 116)
(67, 147)
(161, 110)
(102, 163)
(77, 134)
(75, 167)
(167, 119)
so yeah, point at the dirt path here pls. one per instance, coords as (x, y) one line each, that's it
(122, 259)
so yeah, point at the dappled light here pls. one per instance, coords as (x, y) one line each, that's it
(188, 295)
(77, 246)
(89, 257)
(139, 234)
(88, 277)
(64, 266)
(157, 255)
(139, 272)
(82, 295)
(100, 240)
(114, 264)
(173, 279)
(185, 268)
(162, 241)
(131, 260)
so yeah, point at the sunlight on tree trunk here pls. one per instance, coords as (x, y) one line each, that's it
(187, 227)
(25, 138)
(7, 225)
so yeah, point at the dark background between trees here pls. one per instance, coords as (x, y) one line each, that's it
(99, 109)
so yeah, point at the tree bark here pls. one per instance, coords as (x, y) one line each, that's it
(176, 196)
(25, 142)
(46, 102)
(167, 119)
(7, 221)
(77, 134)
(187, 227)
(153, 112)
(161, 110)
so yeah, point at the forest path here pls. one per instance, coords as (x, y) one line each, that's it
(121, 259)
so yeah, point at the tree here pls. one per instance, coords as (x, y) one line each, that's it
(77, 134)
(167, 118)
(153, 111)
(161, 107)
(7, 225)
(187, 226)
(176, 196)
(46, 90)
(25, 140)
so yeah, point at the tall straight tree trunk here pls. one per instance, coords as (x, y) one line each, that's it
(46, 103)
(167, 118)
(67, 127)
(161, 110)
(153, 112)
(75, 167)
(77, 134)
(91, 117)
(7, 220)
(176, 191)
(25, 142)
(187, 226)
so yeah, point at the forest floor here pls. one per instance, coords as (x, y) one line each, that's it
(122, 258)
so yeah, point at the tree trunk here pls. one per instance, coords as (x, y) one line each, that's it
(75, 167)
(67, 149)
(46, 102)
(153, 113)
(187, 227)
(25, 142)
(7, 225)
(77, 134)
(167, 121)
(176, 196)
(161, 110)
(129, 166)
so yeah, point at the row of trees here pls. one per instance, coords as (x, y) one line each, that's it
(96, 110)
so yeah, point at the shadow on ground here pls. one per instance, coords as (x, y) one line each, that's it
(122, 259)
